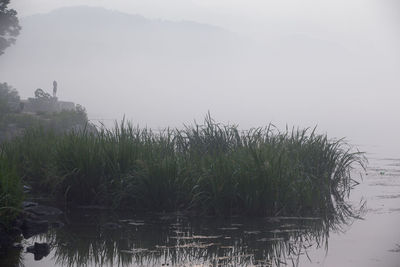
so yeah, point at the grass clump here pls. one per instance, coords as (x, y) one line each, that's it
(207, 168)
(11, 192)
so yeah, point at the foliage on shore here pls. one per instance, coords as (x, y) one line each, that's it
(208, 169)
(11, 191)
(13, 121)
(13, 125)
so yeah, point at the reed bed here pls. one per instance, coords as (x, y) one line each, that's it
(208, 168)
(11, 192)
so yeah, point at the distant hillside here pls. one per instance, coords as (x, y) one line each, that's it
(77, 34)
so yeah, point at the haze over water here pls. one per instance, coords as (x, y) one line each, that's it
(164, 63)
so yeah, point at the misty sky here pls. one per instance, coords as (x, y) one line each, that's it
(335, 64)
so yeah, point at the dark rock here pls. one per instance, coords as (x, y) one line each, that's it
(40, 250)
(43, 210)
(8, 236)
(27, 188)
(111, 226)
(18, 222)
(94, 207)
(5, 238)
(15, 231)
(27, 204)
(56, 224)
(17, 246)
(32, 227)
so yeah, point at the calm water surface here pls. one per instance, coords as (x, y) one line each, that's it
(88, 238)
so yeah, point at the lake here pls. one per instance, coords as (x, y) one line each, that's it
(98, 237)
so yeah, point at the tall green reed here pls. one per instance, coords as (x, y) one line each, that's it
(11, 194)
(205, 168)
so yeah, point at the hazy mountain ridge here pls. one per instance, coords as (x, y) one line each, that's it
(91, 30)
(101, 25)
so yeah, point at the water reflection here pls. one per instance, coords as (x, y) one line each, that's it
(88, 240)
(107, 239)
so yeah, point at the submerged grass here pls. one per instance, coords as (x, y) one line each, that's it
(208, 169)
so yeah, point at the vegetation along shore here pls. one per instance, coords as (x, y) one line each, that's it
(208, 168)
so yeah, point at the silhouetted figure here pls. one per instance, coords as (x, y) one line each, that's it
(54, 88)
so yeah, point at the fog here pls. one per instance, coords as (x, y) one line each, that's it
(333, 64)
